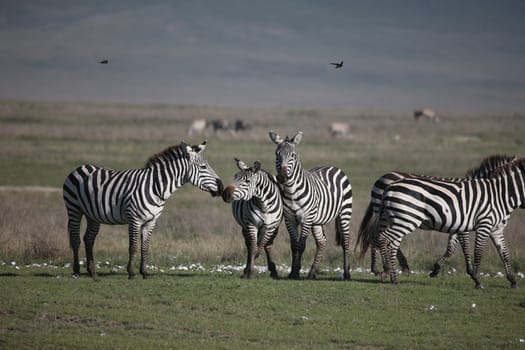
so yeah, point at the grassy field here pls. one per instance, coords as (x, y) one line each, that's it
(42, 142)
(43, 308)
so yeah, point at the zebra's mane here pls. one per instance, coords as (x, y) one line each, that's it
(518, 163)
(489, 165)
(169, 153)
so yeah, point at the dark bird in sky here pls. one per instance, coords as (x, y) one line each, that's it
(104, 62)
(337, 65)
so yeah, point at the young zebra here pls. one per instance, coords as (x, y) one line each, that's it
(312, 198)
(135, 197)
(486, 168)
(257, 207)
(454, 207)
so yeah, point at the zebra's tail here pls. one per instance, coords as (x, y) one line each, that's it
(367, 231)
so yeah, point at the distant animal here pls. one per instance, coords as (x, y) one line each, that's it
(426, 113)
(241, 125)
(339, 129)
(221, 125)
(481, 205)
(197, 127)
(311, 199)
(134, 197)
(337, 65)
(257, 208)
(104, 62)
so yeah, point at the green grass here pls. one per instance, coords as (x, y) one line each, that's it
(45, 308)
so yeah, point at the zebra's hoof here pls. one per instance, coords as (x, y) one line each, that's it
(294, 276)
(515, 285)
(479, 286)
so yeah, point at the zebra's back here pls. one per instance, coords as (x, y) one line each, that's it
(333, 191)
(100, 194)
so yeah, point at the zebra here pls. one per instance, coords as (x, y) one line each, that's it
(485, 169)
(257, 207)
(480, 205)
(311, 199)
(135, 197)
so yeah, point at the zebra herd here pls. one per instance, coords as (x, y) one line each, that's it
(482, 202)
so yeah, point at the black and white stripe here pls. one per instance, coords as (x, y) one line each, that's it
(311, 199)
(482, 206)
(485, 169)
(135, 197)
(257, 207)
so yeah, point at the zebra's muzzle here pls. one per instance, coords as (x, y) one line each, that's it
(227, 194)
(220, 188)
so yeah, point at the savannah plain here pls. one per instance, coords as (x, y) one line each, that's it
(183, 307)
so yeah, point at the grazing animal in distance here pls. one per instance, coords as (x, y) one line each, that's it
(257, 207)
(241, 125)
(135, 197)
(426, 113)
(220, 125)
(104, 62)
(311, 199)
(197, 127)
(339, 129)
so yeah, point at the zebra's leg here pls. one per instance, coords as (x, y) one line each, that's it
(374, 260)
(89, 240)
(73, 226)
(134, 233)
(452, 246)
(403, 262)
(297, 245)
(320, 241)
(389, 250)
(499, 242)
(147, 230)
(479, 248)
(464, 240)
(382, 245)
(250, 239)
(269, 257)
(342, 226)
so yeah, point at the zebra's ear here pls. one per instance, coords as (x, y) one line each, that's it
(297, 138)
(185, 149)
(275, 137)
(256, 166)
(240, 164)
(201, 147)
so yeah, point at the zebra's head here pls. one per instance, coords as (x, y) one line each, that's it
(244, 185)
(200, 173)
(286, 158)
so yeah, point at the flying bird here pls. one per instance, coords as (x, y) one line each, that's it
(337, 65)
(104, 62)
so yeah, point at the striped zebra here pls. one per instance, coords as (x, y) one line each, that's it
(135, 197)
(311, 199)
(486, 168)
(454, 207)
(257, 207)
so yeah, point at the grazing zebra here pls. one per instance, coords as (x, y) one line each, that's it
(312, 198)
(479, 205)
(485, 169)
(257, 207)
(135, 197)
